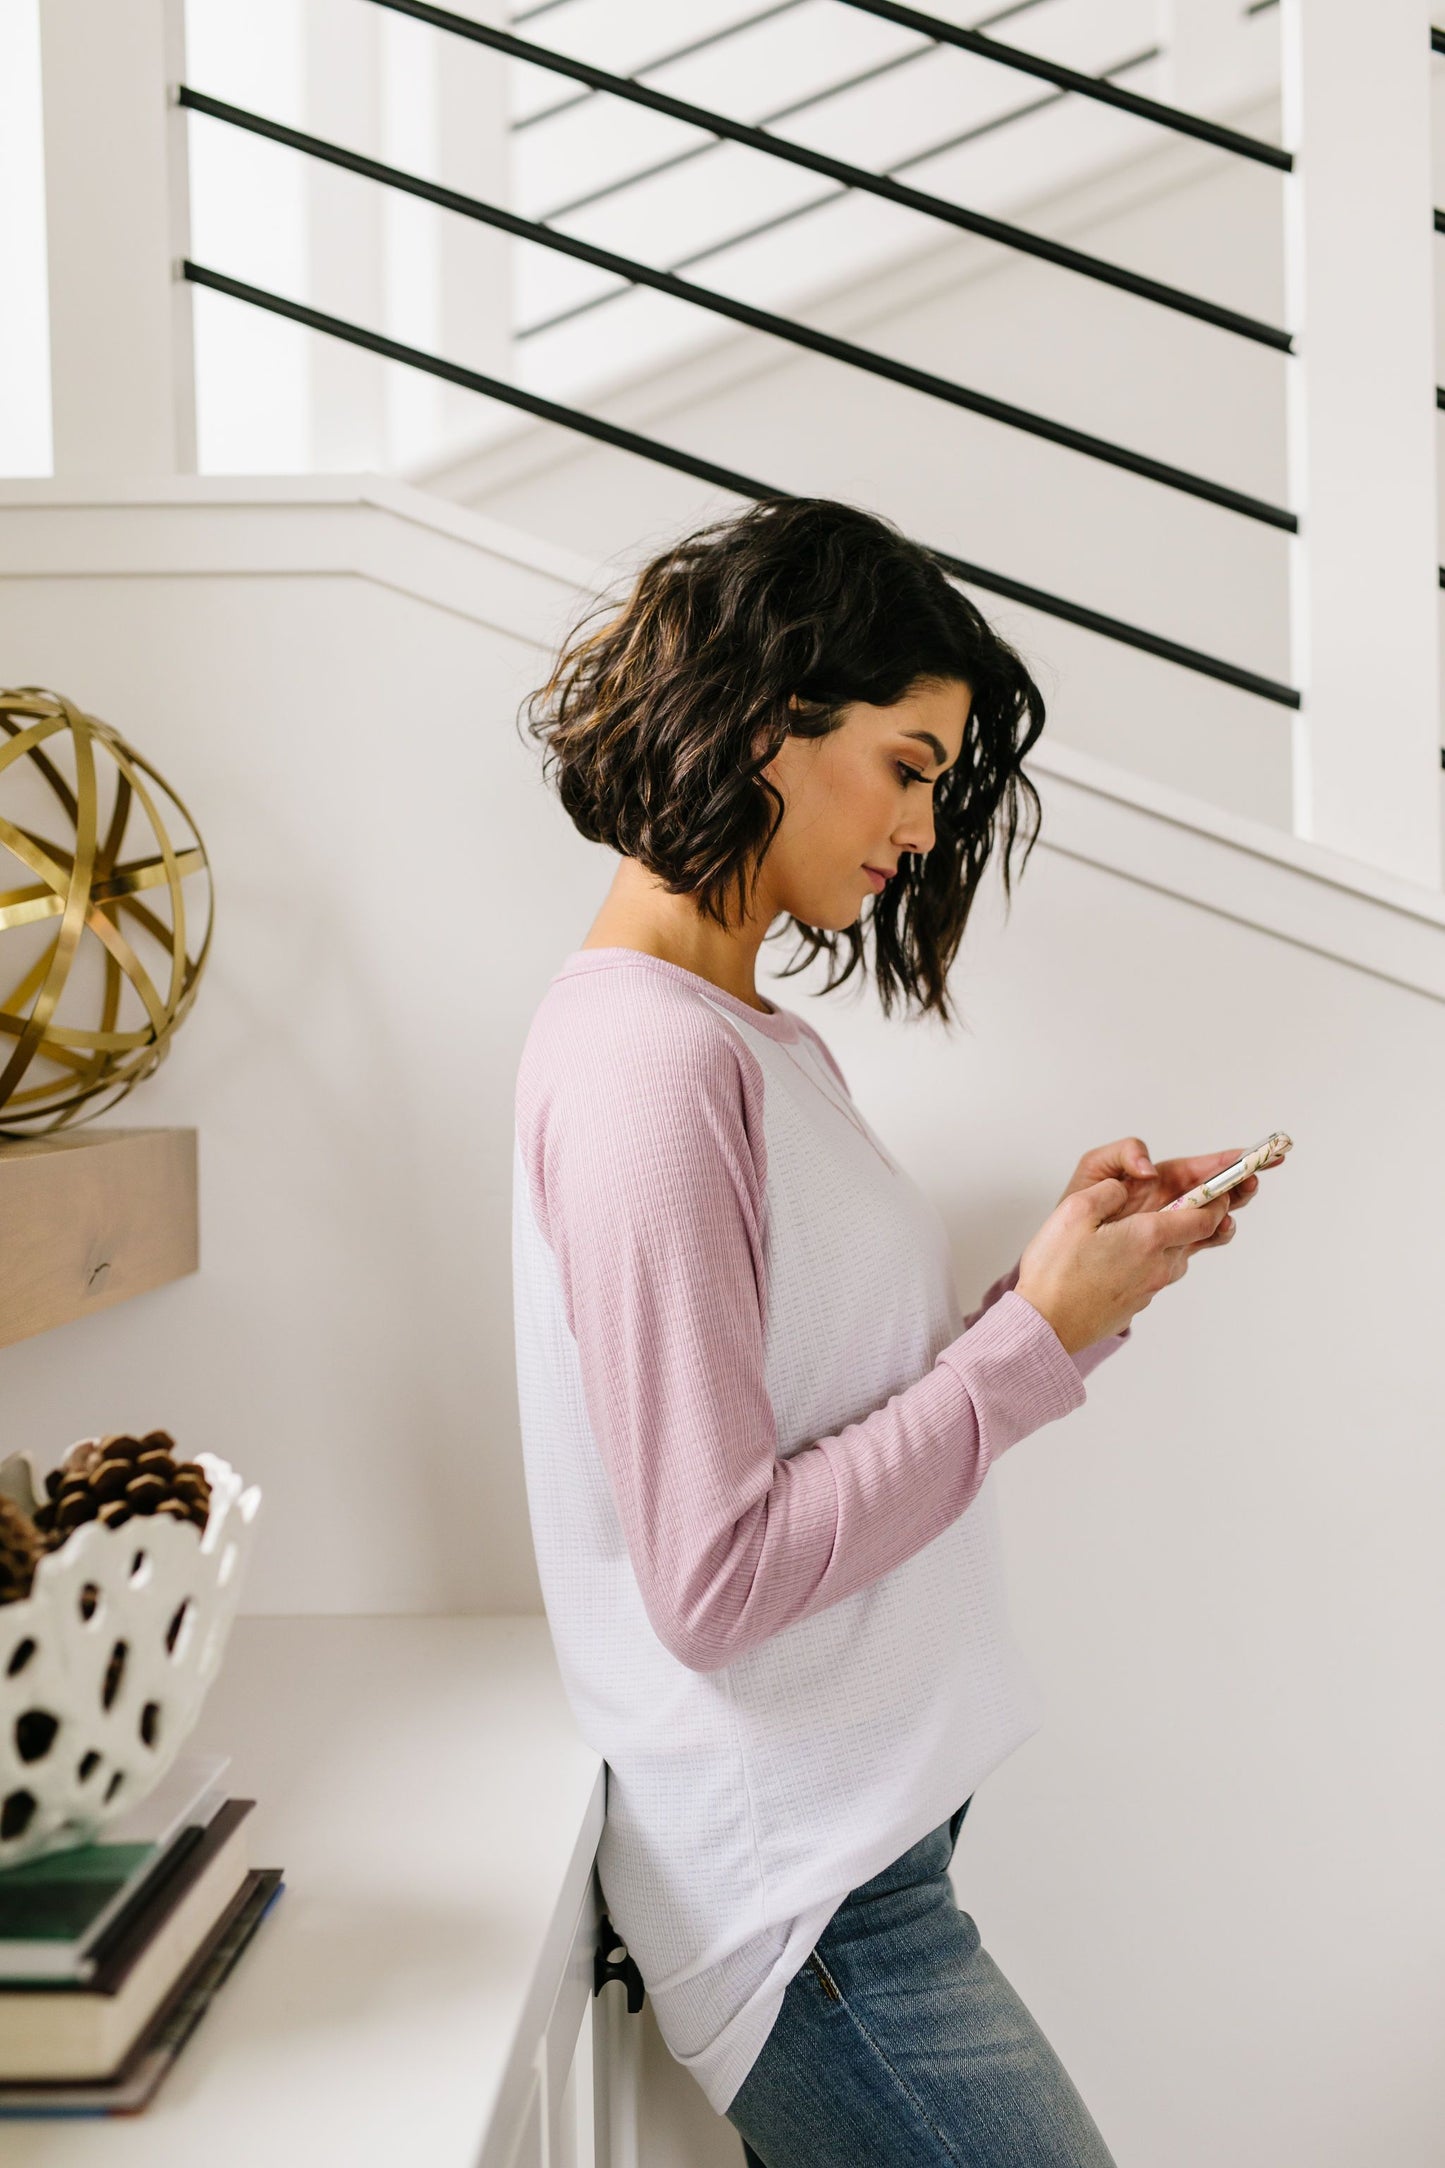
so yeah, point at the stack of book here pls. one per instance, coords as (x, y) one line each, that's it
(111, 1952)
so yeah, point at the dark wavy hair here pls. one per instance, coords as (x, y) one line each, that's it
(659, 722)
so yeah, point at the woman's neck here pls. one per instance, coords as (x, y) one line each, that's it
(639, 913)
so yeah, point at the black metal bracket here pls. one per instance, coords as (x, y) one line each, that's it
(612, 1962)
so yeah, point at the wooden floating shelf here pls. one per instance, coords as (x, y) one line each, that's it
(90, 1218)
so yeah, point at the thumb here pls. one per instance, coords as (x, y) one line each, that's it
(1103, 1199)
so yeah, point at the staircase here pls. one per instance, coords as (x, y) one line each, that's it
(831, 246)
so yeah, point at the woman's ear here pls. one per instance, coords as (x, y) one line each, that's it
(763, 738)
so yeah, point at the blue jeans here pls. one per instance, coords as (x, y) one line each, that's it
(900, 2044)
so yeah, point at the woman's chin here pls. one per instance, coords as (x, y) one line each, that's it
(834, 913)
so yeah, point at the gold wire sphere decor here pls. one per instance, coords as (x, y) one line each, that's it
(125, 989)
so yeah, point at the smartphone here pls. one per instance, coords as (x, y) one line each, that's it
(1267, 1153)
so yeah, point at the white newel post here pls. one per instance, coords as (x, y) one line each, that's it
(345, 224)
(122, 372)
(1361, 414)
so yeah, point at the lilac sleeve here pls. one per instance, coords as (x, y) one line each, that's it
(647, 1167)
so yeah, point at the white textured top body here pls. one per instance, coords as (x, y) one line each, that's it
(756, 1429)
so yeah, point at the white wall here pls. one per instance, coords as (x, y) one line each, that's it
(371, 818)
(1213, 1874)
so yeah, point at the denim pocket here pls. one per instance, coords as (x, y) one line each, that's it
(830, 1986)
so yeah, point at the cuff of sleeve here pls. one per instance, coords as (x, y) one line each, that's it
(1016, 1370)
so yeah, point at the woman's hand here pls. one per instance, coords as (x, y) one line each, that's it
(1094, 1264)
(1149, 1187)
(1089, 1271)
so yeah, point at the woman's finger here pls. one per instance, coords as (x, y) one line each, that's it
(1224, 1232)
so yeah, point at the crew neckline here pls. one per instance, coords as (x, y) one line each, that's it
(775, 1023)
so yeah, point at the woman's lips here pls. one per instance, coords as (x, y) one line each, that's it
(879, 880)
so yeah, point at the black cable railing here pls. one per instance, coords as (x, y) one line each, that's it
(975, 40)
(812, 340)
(720, 36)
(795, 211)
(744, 23)
(632, 272)
(601, 191)
(858, 177)
(1022, 62)
(728, 478)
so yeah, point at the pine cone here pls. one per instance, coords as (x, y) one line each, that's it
(21, 1546)
(83, 1457)
(115, 1478)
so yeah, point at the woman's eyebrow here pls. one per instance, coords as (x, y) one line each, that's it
(926, 737)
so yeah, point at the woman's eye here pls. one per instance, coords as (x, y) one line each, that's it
(910, 775)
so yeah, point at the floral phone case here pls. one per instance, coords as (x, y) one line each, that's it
(1266, 1153)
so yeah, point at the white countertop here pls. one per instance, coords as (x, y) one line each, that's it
(422, 1784)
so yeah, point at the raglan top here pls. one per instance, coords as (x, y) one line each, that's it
(756, 1431)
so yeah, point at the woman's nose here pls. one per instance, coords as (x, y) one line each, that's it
(916, 834)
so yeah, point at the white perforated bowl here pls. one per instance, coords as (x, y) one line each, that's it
(71, 1761)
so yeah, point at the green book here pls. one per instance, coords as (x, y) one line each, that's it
(55, 1909)
(131, 2086)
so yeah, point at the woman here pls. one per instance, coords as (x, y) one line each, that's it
(756, 1425)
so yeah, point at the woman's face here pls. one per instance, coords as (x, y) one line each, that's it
(860, 796)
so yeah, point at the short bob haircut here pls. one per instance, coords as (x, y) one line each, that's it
(659, 723)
